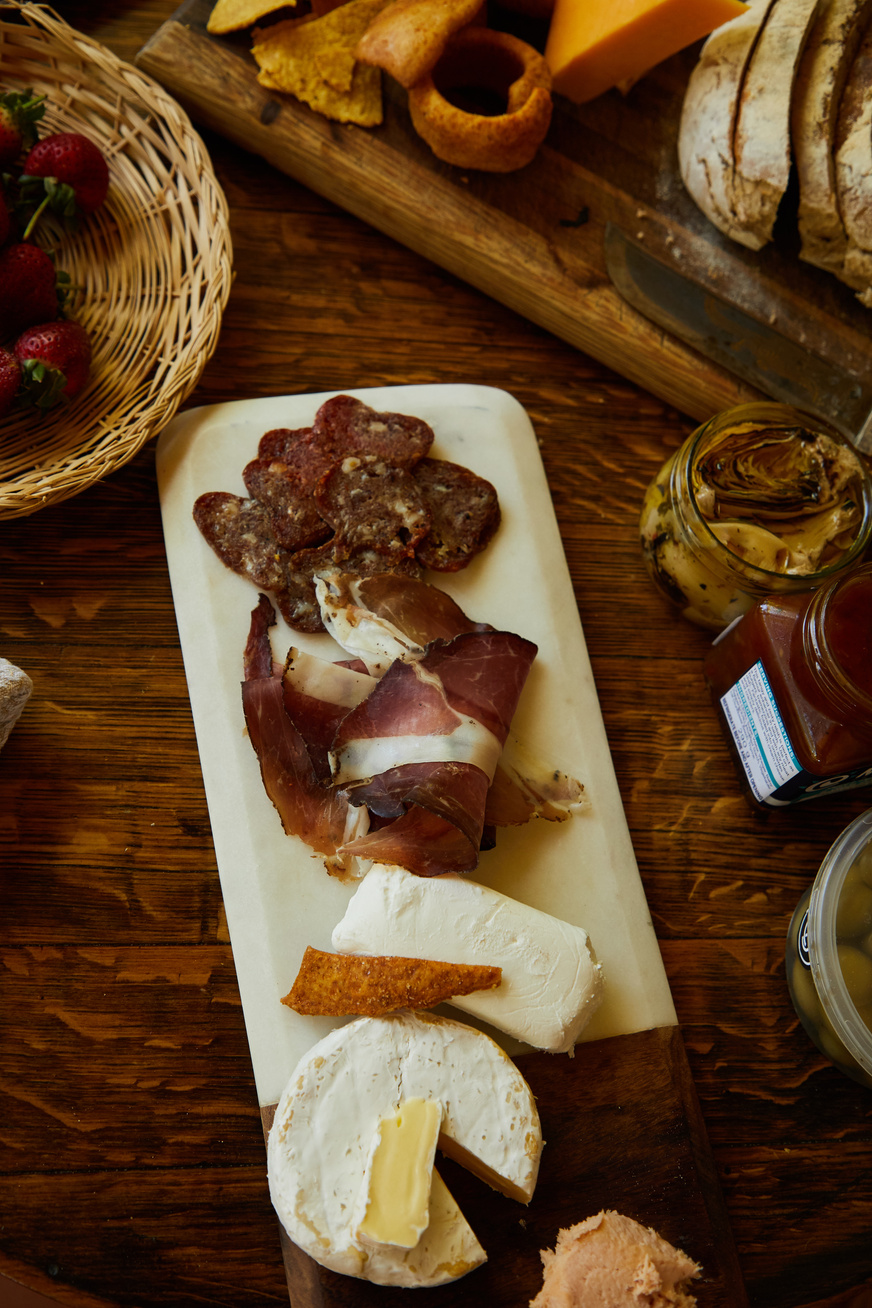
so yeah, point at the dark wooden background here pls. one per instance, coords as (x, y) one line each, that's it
(132, 1168)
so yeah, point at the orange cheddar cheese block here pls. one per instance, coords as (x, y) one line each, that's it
(594, 45)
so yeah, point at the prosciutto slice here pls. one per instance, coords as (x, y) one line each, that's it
(319, 814)
(429, 736)
(384, 618)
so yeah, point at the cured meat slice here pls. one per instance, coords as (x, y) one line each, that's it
(464, 514)
(275, 443)
(294, 516)
(429, 737)
(240, 533)
(257, 660)
(420, 841)
(317, 696)
(318, 814)
(372, 504)
(385, 617)
(351, 427)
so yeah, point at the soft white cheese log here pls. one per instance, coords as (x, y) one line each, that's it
(320, 1141)
(551, 984)
(15, 691)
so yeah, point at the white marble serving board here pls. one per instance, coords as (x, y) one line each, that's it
(277, 894)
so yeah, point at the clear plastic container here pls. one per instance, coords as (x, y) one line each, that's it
(829, 954)
(761, 500)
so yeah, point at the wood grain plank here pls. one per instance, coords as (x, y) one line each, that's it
(622, 1130)
(537, 244)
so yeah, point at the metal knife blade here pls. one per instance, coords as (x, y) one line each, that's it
(754, 351)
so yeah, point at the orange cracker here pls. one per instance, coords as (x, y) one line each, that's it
(313, 59)
(340, 985)
(234, 15)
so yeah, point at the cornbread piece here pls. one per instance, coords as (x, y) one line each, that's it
(551, 984)
(334, 985)
(370, 503)
(321, 1138)
(610, 1261)
(15, 690)
(349, 426)
(464, 514)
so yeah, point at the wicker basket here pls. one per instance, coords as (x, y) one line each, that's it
(153, 265)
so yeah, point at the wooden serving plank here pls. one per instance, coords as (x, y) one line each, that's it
(623, 1130)
(532, 240)
(620, 1118)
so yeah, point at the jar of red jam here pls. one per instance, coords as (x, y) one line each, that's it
(792, 681)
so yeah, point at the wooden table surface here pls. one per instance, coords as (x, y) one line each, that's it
(131, 1152)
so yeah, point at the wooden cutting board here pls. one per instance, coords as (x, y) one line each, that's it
(621, 1122)
(534, 239)
(622, 1130)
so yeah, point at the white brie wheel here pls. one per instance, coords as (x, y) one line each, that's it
(320, 1140)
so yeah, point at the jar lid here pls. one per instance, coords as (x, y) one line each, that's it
(822, 913)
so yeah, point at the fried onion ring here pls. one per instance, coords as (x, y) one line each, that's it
(478, 62)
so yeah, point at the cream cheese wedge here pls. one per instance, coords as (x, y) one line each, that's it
(551, 984)
(321, 1139)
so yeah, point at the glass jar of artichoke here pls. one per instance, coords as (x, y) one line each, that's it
(762, 499)
(829, 953)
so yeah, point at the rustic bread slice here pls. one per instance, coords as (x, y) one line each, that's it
(853, 156)
(710, 110)
(820, 83)
(761, 149)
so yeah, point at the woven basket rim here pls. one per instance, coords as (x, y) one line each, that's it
(154, 265)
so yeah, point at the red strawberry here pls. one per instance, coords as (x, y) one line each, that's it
(55, 360)
(19, 114)
(10, 380)
(5, 219)
(67, 172)
(29, 290)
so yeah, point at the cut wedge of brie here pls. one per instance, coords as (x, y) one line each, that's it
(551, 984)
(321, 1140)
(395, 1200)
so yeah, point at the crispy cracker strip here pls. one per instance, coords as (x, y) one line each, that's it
(338, 985)
(234, 15)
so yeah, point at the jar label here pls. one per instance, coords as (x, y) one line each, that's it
(802, 942)
(771, 767)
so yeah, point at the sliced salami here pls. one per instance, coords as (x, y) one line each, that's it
(296, 522)
(240, 532)
(372, 504)
(352, 427)
(274, 443)
(464, 514)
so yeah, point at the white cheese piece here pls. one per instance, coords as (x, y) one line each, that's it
(321, 1137)
(15, 690)
(551, 983)
(396, 1191)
